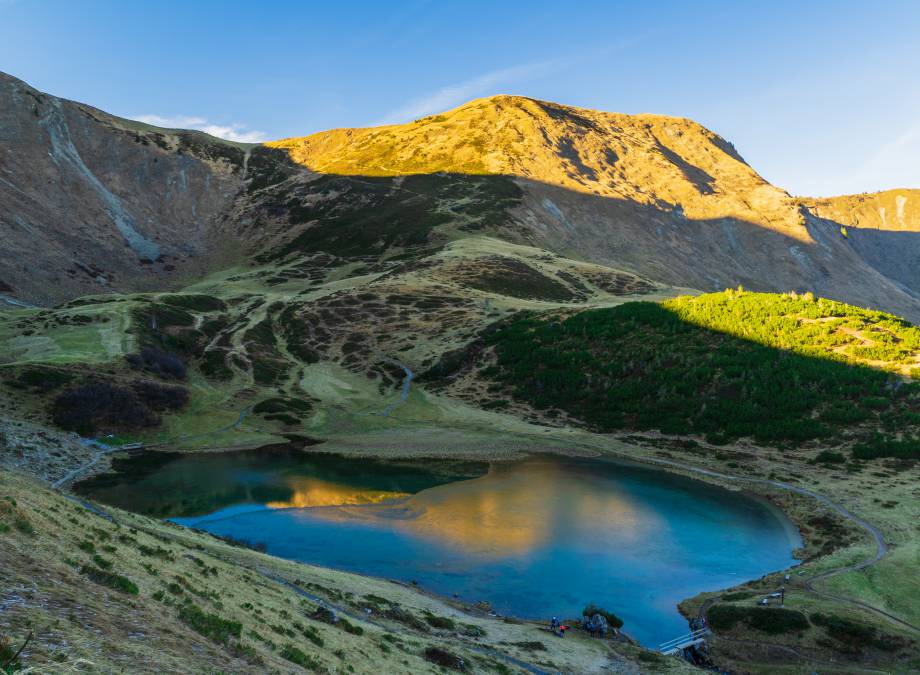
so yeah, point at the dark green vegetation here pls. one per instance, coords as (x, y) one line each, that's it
(781, 369)
(854, 635)
(169, 340)
(880, 446)
(612, 619)
(97, 405)
(360, 216)
(839, 633)
(39, 379)
(197, 302)
(210, 625)
(301, 658)
(9, 657)
(440, 622)
(110, 579)
(507, 276)
(284, 410)
(158, 362)
(770, 620)
(444, 658)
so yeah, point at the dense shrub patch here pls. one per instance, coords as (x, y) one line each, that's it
(41, 379)
(855, 634)
(727, 365)
(210, 625)
(440, 622)
(444, 658)
(159, 362)
(880, 446)
(772, 620)
(287, 410)
(507, 276)
(96, 405)
(160, 397)
(612, 619)
(196, 302)
(110, 579)
(375, 217)
(298, 656)
(86, 408)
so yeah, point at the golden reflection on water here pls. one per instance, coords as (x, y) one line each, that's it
(512, 511)
(316, 492)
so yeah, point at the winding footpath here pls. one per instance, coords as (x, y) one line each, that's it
(105, 449)
(102, 452)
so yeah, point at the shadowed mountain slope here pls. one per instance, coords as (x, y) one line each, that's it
(655, 195)
(93, 203)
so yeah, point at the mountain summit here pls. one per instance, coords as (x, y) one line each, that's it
(650, 160)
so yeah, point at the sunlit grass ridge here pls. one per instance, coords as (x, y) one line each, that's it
(807, 325)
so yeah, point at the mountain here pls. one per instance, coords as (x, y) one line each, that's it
(506, 278)
(118, 205)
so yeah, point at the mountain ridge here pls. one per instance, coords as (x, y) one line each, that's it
(134, 207)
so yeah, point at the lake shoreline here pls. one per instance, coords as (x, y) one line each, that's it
(223, 517)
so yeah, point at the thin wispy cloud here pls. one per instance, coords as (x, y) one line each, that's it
(892, 164)
(453, 95)
(497, 81)
(229, 132)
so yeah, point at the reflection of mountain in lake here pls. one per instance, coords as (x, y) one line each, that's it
(311, 492)
(175, 484)
(512, 510)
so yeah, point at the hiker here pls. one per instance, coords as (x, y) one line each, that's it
(554, 625)
(562, 629)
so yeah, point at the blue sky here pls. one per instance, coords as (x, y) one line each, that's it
(821, 98)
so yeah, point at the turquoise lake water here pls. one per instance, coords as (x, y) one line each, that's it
(535, 538)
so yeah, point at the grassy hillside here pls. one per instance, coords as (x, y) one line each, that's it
(782, 369)
(249, 353)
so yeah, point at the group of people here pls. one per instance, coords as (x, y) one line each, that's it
(595, 625)
(557, 627)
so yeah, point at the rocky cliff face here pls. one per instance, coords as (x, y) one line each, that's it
(883, 228)
(93, 203)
